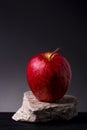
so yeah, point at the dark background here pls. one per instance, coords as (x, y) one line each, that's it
(29, 27)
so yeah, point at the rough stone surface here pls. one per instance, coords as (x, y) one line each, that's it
(33, 110)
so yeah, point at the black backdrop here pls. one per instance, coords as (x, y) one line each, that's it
(30, 27)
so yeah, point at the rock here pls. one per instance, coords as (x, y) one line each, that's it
(33, 110)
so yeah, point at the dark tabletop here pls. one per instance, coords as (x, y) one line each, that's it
(79, 122)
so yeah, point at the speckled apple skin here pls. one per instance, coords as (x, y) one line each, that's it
(48, 78)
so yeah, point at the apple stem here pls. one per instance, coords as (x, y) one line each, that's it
(54, 52)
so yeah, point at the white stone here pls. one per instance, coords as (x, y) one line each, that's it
(33, 110)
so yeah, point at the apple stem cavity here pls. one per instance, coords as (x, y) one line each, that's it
(54, 52)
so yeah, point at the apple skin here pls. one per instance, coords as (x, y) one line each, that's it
(48, 75)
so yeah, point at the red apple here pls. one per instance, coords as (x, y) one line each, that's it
(48, 75)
